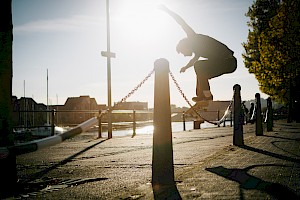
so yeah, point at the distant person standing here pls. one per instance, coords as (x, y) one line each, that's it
(251, 113)
(245, 112)
(219, 58)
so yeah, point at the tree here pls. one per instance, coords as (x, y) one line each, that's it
(259, 13)
(7, 159)
(279, 47)
(273, 49)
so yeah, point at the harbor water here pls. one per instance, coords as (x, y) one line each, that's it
(148, 129)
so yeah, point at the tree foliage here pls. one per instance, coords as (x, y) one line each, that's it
(272, 50)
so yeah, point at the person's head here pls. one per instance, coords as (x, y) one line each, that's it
(184, 47)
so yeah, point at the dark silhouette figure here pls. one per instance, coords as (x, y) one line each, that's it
(245, 112)
(251, 113)
(217, 58)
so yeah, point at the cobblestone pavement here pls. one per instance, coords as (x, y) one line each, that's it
(206, 166)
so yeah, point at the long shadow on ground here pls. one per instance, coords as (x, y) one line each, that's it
(29, 186)
(250, 182)
(271, 154)
(63, 162)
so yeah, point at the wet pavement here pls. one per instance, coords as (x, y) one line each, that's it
(206, 165)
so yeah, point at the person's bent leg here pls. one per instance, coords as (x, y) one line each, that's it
(202, 79)
(218, 67)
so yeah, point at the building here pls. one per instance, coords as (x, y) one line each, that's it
(77, 110)
(133, 105)
(124, 111)
(28, 113)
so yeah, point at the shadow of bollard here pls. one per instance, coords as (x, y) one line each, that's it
(247, 181)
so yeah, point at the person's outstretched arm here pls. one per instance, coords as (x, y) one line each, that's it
(190, 63)
(187, 29)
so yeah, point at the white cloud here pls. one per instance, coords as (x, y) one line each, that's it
(74, 23)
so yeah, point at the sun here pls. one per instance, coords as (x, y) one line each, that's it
(139, 19)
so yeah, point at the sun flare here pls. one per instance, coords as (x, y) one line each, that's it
(139, 19)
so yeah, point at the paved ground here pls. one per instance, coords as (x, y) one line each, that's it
(206, 166)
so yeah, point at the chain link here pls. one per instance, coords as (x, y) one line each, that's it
(180, 91)
(193, 107)
(130, 93)
(226, 112)
(135, 89)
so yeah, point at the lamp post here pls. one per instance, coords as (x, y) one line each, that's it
(108, 55)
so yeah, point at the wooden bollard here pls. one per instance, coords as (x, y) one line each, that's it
(269, 115)
(52, 122)
(238, 138)
(258, 124)
(197, 123)
(231, 118)
(100, 124)
(162, 157)
(183, 121)
(133, 124)
(218, 117)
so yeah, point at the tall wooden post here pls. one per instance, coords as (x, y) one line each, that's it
(52, 122)
(162, 157)
(183, 120)
(238, 138)
(218, 117)
(258, 124)
(230, 118)
(100, 124)
(269, 115)
(133, 123)
(8, 173)
(108, 54)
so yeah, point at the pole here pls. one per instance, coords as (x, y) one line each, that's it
(108, 54)
(8, 170)
(47, 101)
(238, 138)
(183, 119)
(162, 157)
(231, 119)
(269, 115)
(218, 117)
(25, 107)
(100, 124)
(52, 122)
(258, 124)
(134, 123)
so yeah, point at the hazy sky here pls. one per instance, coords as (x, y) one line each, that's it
(67, 37)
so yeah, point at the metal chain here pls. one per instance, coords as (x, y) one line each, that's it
(135, 88)
(130, 93)
(179, 89)
(192, 107)
(226, 112)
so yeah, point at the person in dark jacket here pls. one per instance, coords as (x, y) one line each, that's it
(215, 57)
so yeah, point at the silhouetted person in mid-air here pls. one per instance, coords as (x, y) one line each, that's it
(219, 58)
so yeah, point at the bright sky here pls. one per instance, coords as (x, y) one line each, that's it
(67, 37)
